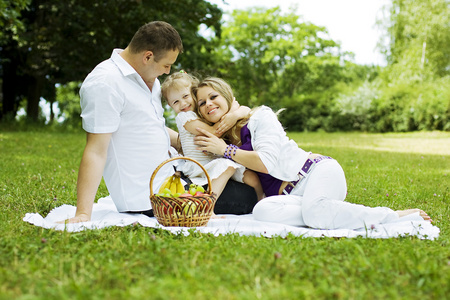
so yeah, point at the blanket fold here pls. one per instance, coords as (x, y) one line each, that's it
(105, 214)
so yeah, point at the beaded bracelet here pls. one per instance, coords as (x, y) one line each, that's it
(230, 151)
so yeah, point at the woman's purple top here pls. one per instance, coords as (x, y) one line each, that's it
(270, 185)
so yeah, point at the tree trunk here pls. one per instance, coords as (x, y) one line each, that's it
(10, 99)
(33, 92)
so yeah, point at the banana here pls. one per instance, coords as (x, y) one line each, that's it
(180, 187)
(166, 184)
(173, 185)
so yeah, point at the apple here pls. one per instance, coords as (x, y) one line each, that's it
(185, 195)
(199, 194)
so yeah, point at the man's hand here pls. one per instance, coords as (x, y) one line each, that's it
(76, 219)
(90, 175)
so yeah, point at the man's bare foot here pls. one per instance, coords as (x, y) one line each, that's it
(424, 215)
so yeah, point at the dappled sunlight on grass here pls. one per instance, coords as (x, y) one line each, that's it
(415, 142)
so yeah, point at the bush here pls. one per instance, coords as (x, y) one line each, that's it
(351, 111)
(431, 108)
(400, 107)
(306, 113)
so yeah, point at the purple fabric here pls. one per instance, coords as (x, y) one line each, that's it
(270, 184)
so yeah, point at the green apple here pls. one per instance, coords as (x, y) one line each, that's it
(192, 190)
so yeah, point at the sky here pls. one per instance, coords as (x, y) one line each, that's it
(350, 22)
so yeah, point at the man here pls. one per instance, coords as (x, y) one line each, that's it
(123, 117)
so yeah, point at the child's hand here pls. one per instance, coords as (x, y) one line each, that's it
(226, 122)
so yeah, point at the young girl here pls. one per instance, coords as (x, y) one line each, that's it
(176, 89)
(301, 188)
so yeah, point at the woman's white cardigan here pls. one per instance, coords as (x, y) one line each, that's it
(282, 157)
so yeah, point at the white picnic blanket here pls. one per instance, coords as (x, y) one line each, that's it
(105, 214)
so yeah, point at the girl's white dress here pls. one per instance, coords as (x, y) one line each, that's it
(214, 165)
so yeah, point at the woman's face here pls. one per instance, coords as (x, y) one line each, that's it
(212, 105)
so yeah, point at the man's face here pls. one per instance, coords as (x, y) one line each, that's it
(155, 68)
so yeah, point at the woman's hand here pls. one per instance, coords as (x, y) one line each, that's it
(209, 142)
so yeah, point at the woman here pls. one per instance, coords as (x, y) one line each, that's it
(302, 188)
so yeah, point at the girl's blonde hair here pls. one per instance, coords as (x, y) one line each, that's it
(225, 90)
(176, 81)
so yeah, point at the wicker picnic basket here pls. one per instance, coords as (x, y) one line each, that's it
(174, 211)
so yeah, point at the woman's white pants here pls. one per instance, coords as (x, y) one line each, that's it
(318, 202)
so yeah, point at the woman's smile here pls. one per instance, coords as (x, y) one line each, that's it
(212, 111)
(211, 104)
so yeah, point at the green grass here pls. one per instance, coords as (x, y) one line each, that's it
(38, 172)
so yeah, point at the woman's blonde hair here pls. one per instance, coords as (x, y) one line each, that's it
(217, 84)
(225, 90)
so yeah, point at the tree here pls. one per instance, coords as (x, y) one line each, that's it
(419, 35)
(415, 90)
(275, 59)
(61, 41)
(275, 56)
(10, 17)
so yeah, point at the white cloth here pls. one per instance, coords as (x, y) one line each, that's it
(215, 166)
(105, 215)
(115, 99)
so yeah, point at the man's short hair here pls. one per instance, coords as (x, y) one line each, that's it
(158, 37)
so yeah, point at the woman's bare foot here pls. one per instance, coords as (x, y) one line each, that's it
(424, 215)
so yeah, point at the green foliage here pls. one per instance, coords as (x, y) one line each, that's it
(61, 41)
(269, 57)
(353, 110)
(39, 171)
(419, 39)
(280, 61)
(69, 104)
(413, 91)
(275, 55)
(10, 17)
(399, 107)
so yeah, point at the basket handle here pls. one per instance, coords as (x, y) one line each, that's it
(175, 158)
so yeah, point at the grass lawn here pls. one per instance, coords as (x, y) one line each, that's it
(38, 172)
